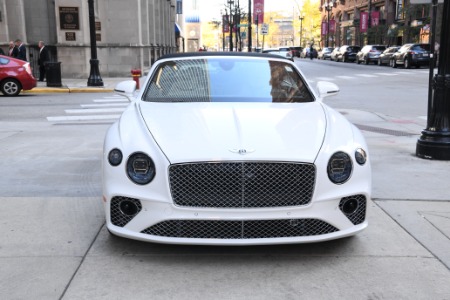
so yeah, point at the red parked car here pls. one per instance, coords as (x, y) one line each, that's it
(15, 75)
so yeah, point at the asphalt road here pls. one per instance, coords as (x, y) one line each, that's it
(54, 244)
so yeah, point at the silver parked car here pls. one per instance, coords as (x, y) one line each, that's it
(385, 57)
(369, 53)
(325, 53)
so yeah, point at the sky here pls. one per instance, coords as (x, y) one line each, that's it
(211, 8)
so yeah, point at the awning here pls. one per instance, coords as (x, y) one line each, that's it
(178, 30)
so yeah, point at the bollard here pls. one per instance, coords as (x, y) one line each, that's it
(136, 73)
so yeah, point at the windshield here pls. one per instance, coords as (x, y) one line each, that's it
(222, 79)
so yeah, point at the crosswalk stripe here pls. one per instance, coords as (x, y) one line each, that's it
(110, 100)
(366, 75)
(104, 105)
(386, 74)
(346, 77)
(94, 110)
(325, 78)
(82, 118)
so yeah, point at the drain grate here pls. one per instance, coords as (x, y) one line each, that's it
(384, 130)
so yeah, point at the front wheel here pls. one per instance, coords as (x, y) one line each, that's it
(10, 87)
(393, 63)
(407, 64)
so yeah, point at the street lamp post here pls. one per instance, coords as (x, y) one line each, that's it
(434, 143)
(230, 21)
(328, 6)
(249, 26)
(94, 77)
(300, 17)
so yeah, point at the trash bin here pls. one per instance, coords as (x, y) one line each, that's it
(53, 74)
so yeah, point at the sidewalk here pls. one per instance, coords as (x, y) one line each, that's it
(76, 85)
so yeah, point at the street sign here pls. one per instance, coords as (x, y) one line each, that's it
(265, 29)
(242, 25)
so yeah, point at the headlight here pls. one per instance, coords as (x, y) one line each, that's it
(360, 156)
(115, 157)
(339, 167)
(140, 168)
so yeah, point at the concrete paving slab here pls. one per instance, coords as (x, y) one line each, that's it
(259, 277)
(383, 262)
(397, 172)
(48, 227)
(36, 277)
(427, 221)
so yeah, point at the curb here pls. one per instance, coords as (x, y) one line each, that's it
(46, 90)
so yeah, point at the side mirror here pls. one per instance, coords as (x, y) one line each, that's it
(327, 89)
(126, 88)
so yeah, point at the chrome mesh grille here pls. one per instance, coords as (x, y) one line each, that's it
(118, 218)
(360, 213)
(242, 184)
(250, 229)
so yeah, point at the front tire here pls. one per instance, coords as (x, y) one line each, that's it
(10, 87)
(393, 63)
(407, 64)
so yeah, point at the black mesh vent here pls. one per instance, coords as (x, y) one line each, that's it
(242, 184)
(253, 229)
(360, 213)
(118, 218)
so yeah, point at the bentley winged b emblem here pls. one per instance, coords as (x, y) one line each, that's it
(242, 151)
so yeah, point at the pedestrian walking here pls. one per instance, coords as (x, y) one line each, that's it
(44, 57)
(22, 51)
(13, 50)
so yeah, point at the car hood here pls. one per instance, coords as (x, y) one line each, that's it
(187, 132)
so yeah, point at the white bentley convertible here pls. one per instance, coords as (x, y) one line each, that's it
(233, 149)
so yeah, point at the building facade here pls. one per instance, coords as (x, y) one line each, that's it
(390, 22)
(130, 34)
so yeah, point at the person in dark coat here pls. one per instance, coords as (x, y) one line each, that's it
(13, 50)
(22, 51)
(44, 57)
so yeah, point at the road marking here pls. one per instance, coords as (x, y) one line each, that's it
(82, 118)
(103, 109)
(346, 77)
(94, 110)
(386, 74)
(325, 78)
(366, 75)
(110, 100)
(104, 105)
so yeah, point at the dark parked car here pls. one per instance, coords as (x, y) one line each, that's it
(347, 53)
(325, 53)
(411, 55)
(369, 53)
(295, 51)
(385, 57)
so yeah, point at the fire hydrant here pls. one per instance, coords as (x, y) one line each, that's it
(136, 73)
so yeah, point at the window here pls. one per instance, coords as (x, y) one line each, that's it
(226, 80)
